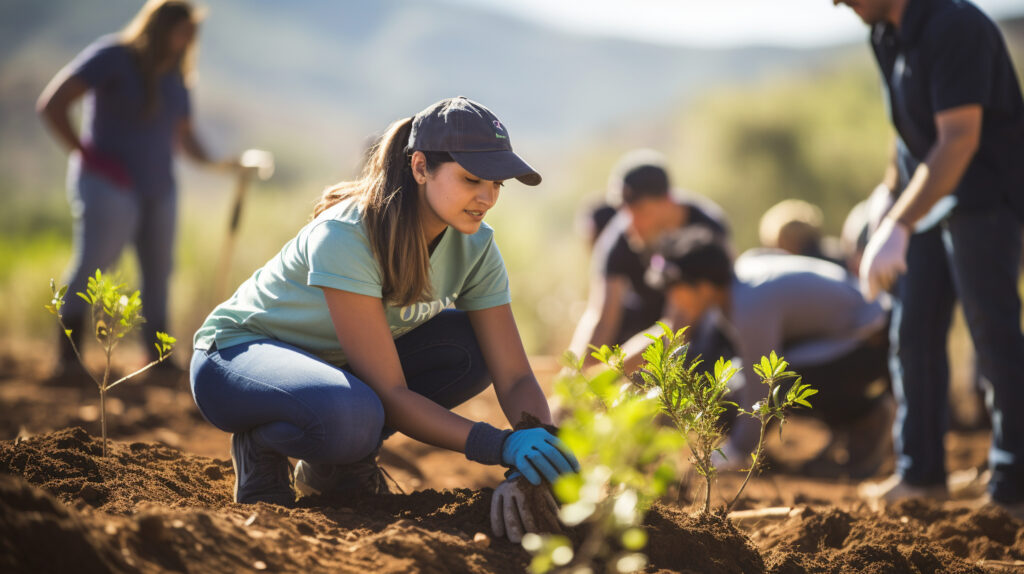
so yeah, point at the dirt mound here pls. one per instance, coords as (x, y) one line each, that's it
(910, 537)
(33, 524)
(681, 542)
(68, 464)
(150, 507)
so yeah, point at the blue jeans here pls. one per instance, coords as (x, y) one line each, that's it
(305, 408)
(106, 219)
(973, 257)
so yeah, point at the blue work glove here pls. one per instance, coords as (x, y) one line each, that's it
(537, 453)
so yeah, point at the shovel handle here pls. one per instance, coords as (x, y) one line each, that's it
(240, 188)
(227, 249)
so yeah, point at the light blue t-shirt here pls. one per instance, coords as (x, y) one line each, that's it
(283, 300)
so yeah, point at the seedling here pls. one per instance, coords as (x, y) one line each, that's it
(626, 464)
(772, 372)
(116, 313)
(695, 400)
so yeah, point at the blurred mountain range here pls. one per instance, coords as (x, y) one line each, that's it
(314, 79)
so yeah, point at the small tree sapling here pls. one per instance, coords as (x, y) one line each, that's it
(116, 313)
(772, 372)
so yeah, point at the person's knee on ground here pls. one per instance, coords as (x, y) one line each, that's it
(344, 465)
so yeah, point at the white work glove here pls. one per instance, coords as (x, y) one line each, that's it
(885, 258)
(878, 204)
(509, 515)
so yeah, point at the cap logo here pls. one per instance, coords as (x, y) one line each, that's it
(498, 126)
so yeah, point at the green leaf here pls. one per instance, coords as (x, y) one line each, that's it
(567, 487)
(634, 539)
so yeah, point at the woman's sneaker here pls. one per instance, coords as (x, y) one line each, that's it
(342, 481)
(261, 474)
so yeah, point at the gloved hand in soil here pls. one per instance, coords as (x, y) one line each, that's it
(513, 514)
(885, 258)
(537, 453)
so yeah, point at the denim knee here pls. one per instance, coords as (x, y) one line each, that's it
(322, 415)
(352, 423)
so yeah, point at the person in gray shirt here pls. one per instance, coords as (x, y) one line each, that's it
(805, 309)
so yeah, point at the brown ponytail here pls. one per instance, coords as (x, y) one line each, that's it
(389, 198)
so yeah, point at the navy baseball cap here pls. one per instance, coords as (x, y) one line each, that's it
(474, 138)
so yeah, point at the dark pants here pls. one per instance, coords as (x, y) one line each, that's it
(973, 256)
(306, 408)
(846, 386)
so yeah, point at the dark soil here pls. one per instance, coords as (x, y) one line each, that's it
(161, 501)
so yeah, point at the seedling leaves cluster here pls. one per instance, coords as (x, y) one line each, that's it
(116, 312)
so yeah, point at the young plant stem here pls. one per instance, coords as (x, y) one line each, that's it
(753, 465)
(142, 370)
(705, 463)
(703, 470)
(103, 401)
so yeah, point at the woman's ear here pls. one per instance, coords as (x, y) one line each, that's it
(419, 167)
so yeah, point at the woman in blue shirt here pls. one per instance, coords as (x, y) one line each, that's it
(385, 311)
(120, 173)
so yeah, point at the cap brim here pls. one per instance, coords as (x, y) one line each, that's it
(497, 166)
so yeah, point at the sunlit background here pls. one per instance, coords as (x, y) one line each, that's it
(753, 101)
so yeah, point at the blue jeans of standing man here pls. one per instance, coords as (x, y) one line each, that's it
(973, 256)
(303, 407)
(106, 219)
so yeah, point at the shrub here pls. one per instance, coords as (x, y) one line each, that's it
(626, 465)
(626, 457)
(695, 400)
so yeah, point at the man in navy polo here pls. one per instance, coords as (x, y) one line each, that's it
(953, 232)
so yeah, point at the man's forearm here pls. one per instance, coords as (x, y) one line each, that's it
(934, 179)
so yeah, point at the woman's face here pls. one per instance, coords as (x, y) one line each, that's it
(181, 37)
(453, 197)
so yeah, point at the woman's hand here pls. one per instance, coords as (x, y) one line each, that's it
(366, 340)
(510, 515)
(537, 453)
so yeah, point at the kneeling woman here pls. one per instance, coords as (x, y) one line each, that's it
(386, 310)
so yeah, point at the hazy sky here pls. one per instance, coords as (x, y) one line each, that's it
(710, 22)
